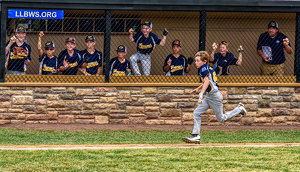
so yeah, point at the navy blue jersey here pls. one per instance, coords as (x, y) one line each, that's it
(63, 54)
(178, 65)
(146, 45)
(117, 68)
(275, 45)
(75, 62)
(48, 65)
(205, 70)
(16, 61)
(94, 61)
(221, 63)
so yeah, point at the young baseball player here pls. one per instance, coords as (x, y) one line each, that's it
(119, 66)
(18, 53)
(145, 42)
(92, 58)
(223, 59)
(176, 63)
(70, 59)
(48, 61)
(213, 98)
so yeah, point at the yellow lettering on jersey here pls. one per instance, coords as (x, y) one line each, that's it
(73, 64)
(118, 73)
(176, 68)
(48, 68)
(92, 64)
(141, 46)
(12, 56)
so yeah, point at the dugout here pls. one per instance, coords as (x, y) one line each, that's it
(196, 24)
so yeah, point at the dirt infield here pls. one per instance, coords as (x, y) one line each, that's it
(141, 127)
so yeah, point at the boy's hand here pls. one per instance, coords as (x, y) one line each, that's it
(200, 100)
(190, 60)
(286, 42)
(165, 32)
(66, 64)
(131, 31)
(240, 49)
(13, 39)
(41, 34)
(169, 62)
(214, 46)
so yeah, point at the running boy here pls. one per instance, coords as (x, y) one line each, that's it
(70, 59)
(223, 59)
(119, 66)
(145, 42)
(213, 98)
(92, 58)
(176, 63)
(18, 53)
(48, 61)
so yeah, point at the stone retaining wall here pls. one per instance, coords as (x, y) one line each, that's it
(144, 105)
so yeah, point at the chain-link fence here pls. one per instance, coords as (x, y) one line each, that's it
(146, 53)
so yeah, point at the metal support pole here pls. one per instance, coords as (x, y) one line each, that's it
(107, 43)
(3, 16)
(202, 30)
(297, 49)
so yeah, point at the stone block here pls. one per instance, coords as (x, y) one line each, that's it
(61, 89)
(4, 122)
(42, 90)
(124, 95)
(151, 104)
(154, 122)
(4, 98)
(21, 100)
(264, 103)
(108, 100)
(85, 121)
(105, 106)
(27, 92)
(168, 105)
(10, 92)
(149, 90)
(40, 101)
(237, 90)
(296, 97)
(56, 104)
(280, 112)
(186, 105)
(187, 116)
(263, 120)
(119, 121)
(247, 120)
(36, 117)
(276, 98)
(87, 106)
(147, 99)
(41, 109)
(254, 92)
(251, 107)
(280, 105)
(270, 92)
(171, 112)
(173, 91)
(164, 98)
(52, 115)
(84, 92)
(152, 109)
(135, 110)
(152, 115)
(105, 89)
(288, 90)
(279, 119)
(264, 112)
(66, 119)
(229, 107)
(137, 120)
(118, 116)
(173, 122)
(235, 97)
(102, 112)
(5, 104)
(101, 119)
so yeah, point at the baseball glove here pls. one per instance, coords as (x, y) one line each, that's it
(165, 32)
(20, 51)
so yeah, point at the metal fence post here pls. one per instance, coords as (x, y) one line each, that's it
(297, 46)
(3, 13)
(107, 35)
(202, 30)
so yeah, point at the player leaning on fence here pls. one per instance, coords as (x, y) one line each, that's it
(48, 61)
(18, 53)
(212, 99)
(92, 58)
(270, 47)
(145, 42)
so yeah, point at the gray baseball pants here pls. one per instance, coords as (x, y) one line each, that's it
(213, 101)
(145, 60)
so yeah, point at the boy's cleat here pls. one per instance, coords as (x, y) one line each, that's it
(194, 139)
(242, 108)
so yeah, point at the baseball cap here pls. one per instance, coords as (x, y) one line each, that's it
(121, 48)
(73, 40)
(49, 44)
(20, 29)
(176, 42)
(148, 23)
(273, 24)
(90, 38)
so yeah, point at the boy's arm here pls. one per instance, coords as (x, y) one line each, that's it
(240, 58)
(212, 55)
(131, 35)
(40, 50)
(188, 68)
(98, 71)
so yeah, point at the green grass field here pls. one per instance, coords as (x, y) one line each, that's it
(161, 159)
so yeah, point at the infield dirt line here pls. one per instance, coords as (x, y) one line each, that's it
(142, 146)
